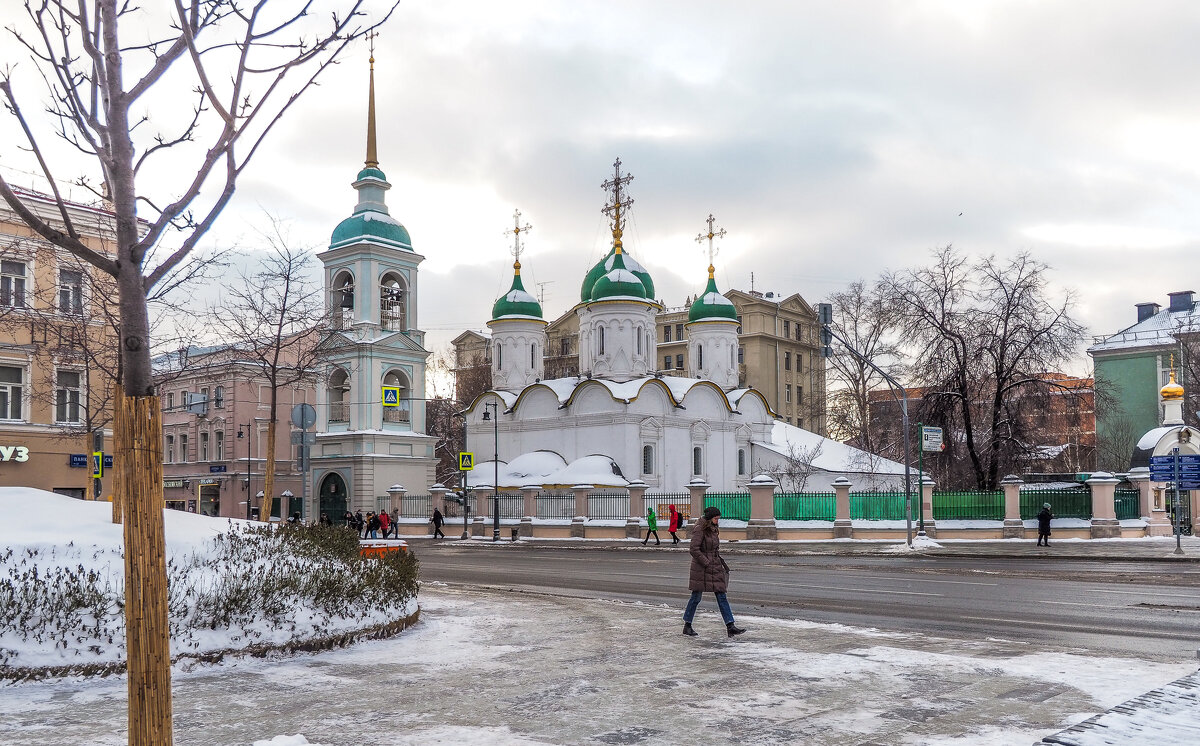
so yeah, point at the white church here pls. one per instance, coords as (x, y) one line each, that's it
(621, 421)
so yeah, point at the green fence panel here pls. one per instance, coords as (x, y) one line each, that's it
(805, 506)
(1127, 503)
(1068, 503)
(880, 506)
(968, 505)
(733, 505)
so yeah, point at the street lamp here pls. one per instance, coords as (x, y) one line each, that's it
(489, 413)
(247, 484)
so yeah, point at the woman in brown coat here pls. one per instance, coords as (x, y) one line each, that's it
(708, 572)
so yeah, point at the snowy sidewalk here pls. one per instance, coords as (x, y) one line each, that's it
(1169, 714)
(511, 668)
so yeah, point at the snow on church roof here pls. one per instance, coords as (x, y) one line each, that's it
(678, 388)
(547, 468)
(834, 456)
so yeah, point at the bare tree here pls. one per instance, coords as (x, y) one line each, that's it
(984, 334)
(799, 463)
(271, 321)
(245, 68)
(862, 316)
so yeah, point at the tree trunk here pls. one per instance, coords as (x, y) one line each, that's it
(269, 481)
(120, 447)
(147, 638)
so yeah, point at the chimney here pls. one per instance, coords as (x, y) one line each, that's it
(1181, 300)
(1146, 310)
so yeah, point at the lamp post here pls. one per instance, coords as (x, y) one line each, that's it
(249, 443)
(489, 413)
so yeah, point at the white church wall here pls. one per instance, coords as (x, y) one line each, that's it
(651, 400)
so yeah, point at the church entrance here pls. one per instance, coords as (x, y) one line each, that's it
(333, 498)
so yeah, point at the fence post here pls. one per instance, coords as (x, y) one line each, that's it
(843, 528)
(437, 499)
(762, 509)
(927, 485)
(1155, 516)
(529, 497)
(396, 495)
(483, 508)
(1014, 527)
(697, 487)
(581, 509)
(1104, 513)
(637, 508)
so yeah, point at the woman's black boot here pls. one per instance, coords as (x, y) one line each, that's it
(687, 629)
(733, 629)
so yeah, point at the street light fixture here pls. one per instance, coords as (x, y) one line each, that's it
(489, 413)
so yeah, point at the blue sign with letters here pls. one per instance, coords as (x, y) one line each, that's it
(216, 468)
(108, 462)
(79, 460)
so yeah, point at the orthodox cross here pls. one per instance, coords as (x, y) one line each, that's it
(621, 201)
(371, 43)
(719, 233)
(516, 232)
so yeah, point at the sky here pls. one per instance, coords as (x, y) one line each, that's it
(833, 141)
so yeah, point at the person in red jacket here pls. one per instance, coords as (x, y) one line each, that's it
(385, 522)
(673, 526)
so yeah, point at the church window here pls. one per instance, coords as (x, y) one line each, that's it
(599, 340)
(401, 413)
(342, 305)
(741, 461)
(337, 395)
(730, 357)
(638, 334)
(533, 357)
(647, 459)
(697, 460)
(499, 355)
(393, 303)
(699, 356)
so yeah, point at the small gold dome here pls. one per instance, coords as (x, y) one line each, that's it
(1172, 391)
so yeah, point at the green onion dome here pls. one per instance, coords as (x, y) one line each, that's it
(517, 302)
(371, 225)
(605, 265)
(711, 304)
(619, 282)
(371, 172)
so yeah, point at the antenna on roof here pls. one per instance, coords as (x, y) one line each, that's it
(542, 291)
(752, 282)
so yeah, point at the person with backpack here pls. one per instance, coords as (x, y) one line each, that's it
(1044, 517)
(708, 572)
(651, 527)
(675, 524)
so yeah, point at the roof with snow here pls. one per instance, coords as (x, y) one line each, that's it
(833, 457)
(548, 469)
(676, 387)
(1155, 331)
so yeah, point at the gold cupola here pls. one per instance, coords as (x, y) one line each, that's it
(1172, 391)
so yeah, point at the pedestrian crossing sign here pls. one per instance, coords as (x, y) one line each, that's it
(391, 396)
(466, 461)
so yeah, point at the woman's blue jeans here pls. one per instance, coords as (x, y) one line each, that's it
(722, 603)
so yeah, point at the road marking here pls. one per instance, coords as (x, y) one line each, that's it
(921, 580)
(840, 588)
(1192, 596)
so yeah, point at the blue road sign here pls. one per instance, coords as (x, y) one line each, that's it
(1190, 459)
(79, 460)
(108, 462)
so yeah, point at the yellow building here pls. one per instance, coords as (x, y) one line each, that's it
(58, 351)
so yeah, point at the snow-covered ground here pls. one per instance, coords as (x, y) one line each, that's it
(501, 668)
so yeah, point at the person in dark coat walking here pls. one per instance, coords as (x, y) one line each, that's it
(709, 572)
(673, 526)
(437, 524)
(1044, 517)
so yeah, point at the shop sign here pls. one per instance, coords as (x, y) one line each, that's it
(14, 453)
(170, 483)
(209, 482)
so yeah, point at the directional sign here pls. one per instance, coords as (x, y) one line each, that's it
(1190, 459)
(391, 396)
(931, 439)
(466, 461)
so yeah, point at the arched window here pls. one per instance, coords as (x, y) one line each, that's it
(338, 394)
(638, 334)
(402, 412)
(393, 303)
(499, 355)
(533, 356)
(599, 340)
(697, 461)
(741, 461)
(342, 301)
(647, 459)
(699, 356)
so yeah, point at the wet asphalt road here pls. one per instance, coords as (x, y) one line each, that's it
(1149, 609)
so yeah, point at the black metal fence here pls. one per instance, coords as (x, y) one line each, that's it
(608, 505)
(555, 505)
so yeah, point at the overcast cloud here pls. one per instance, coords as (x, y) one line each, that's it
(832, 140)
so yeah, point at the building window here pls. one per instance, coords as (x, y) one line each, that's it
(66, 396)
(638, 333)
(799, 335)
(666, 362)
(12, 284)
(532, 357)
(699, 356)
(697, 461)
(667, 333)
(564, 346)
(787, 361)
(170, 449)
(499, 355)
(799, 393)
(679, 332)
(219, 397)
(741, 355)
(799, 422)
(183, 449)
(741, 461)
(647, 459)
(787, 328)
(393, 303)
(70, 291)
(220, 438)
(799, 362)
(787, 393)
(599, 340)
(739, 320)
(10, 393)
(679, 361)
(204, 446)
(170, 401)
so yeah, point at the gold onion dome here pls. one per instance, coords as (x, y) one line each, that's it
(1172, 391)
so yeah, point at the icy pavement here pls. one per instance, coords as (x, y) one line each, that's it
(496, 667)
(1166, 715)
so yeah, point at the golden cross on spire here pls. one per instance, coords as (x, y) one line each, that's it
(620, 202)
(712, 250)
(371, 35)
(516, 232)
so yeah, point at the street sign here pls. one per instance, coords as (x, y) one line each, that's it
(1190, 459)
(931, 439)
(391, 396)
(97, 465)
(79, 460)
(216, 468)
(304, 416)
(108, 462)
(301, 438)
(466, 461)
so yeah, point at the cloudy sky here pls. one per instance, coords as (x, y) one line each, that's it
(832, 140)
